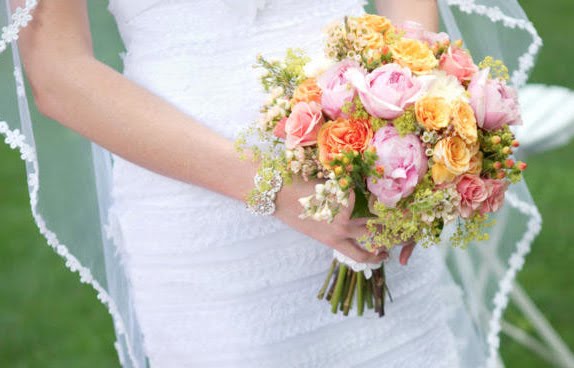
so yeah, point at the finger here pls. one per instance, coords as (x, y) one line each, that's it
(406, 253)
(352, 250)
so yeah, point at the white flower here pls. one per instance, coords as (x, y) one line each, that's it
(305, 201)
(295, 166)
(440, 84)
(317, 66)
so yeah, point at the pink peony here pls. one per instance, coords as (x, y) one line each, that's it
(473, 193)
(416, 31)
(403, 161)
(495, 199)
(387, 90)
(302, 126)
(458, 63)
(495, 104)
(336, 89)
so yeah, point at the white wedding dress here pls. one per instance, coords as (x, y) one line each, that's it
(217, 287)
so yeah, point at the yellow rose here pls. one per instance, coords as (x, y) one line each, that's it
(433, 112)
(415, 55)
(464, 122)
(453, 153)
(374, 44)
(475, 164)
(440, 174)
(376, 23)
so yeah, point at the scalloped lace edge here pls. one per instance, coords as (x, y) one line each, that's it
(516, 262)
(16, 140)
(526, 60)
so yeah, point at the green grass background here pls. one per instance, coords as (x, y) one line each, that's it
(49, 319)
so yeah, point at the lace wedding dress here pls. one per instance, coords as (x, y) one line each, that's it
(215, 286)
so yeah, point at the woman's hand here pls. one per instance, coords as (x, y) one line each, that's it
(341, 234)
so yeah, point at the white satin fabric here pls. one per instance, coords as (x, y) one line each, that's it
(214, 286)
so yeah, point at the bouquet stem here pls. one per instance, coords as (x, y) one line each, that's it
(347, 285)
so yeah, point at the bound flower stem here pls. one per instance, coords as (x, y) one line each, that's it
(343, 285)
(350, 293)
(336, 298)
(326, 283)
(360, 293)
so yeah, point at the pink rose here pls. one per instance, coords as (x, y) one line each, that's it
(387, 90)
(416, 31)
(495, 104)
(495, 199)
(473, 193)
(336, 89)
(302, 126)
(404, 164)
(279, 130)
(458, 63)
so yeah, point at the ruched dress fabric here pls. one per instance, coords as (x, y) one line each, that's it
(213, 285)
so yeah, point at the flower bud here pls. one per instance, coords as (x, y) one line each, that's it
(521, 165)
(497, 165)
(506, 150)
(501, 175)
(338, 170)
(495, 139)
(343, 183)
(515, 143)
(509, 163)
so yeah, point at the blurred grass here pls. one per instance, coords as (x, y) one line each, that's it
(49, 319)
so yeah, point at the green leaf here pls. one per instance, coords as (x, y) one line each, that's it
(361, 207)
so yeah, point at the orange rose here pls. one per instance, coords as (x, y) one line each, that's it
(464, 122)
(415, 55)
(308, 91)
(433, 112)
(343, 135)
(453, 153)
(475, 164)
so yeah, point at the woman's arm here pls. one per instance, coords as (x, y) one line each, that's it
(422, 11)
(73, 88)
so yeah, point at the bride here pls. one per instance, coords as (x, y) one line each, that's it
(209, 284)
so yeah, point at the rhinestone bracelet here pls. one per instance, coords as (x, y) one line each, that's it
(268, 183)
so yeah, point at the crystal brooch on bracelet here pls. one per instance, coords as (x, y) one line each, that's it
(268, 183)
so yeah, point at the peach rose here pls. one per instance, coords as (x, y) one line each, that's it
(453, 154)
(475, 164)
(464, 122)
(472, 192)
(279, 130)
(496, 190)
(415, 55)
(440, 174)
(376, 23)
(433, 112)
(343, 135)
(458, 63)
(302, 126)
(307, 91)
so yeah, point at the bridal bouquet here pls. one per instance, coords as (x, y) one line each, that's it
(406, 121)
